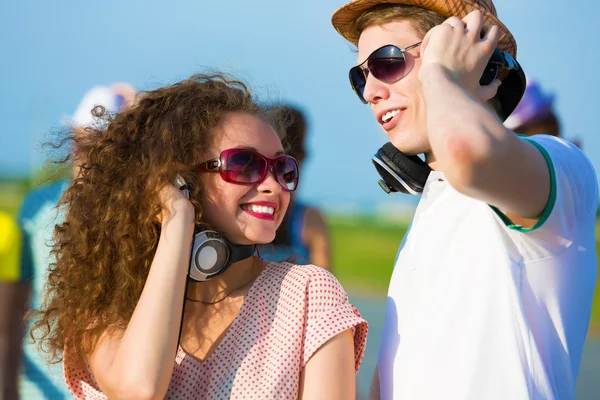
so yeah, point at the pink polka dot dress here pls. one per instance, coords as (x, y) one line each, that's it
(288, 314)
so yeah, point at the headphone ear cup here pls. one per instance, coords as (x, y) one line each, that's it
(513, 86)
(510, 93)
(209, 255)
(401, 173)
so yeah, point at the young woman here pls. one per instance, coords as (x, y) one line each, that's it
(124, 273)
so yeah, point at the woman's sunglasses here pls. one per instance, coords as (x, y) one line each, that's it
(388, 64)
(247, 167)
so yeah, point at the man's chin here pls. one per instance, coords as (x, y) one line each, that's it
(409, 142)
(408, 148)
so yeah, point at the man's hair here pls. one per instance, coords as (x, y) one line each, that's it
(421, 19)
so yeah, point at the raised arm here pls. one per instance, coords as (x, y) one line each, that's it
(137, 363)
(479, 157)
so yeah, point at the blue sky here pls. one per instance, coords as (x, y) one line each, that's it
(53, 52)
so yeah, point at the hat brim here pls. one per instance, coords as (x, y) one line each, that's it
(344, 18)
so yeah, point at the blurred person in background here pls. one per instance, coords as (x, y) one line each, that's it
(133, 313)
(13, 298)
(492, 289)
(38, 216)
(535, 114)
(303, 236)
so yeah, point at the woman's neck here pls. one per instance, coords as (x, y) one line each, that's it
(236, 277)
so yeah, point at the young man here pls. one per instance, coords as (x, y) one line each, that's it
(491, 293)
(38, 216)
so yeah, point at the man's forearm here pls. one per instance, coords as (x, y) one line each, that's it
(463, 133)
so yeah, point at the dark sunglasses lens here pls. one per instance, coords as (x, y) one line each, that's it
(245, 166)
(489, 74)
(388, 70)
(286, 171)
(358, 80)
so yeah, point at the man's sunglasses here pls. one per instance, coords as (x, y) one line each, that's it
(247, 167)
(388, 64)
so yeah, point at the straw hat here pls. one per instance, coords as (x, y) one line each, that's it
(344, 18)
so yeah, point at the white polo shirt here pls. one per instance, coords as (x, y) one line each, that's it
(481, 309)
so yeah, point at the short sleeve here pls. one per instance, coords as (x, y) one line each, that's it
(79, 378)
(574, 188)
(328, 313)
(573, 197)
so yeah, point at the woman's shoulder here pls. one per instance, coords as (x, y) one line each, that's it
(288, 270)
(306, 280)
(311, 302)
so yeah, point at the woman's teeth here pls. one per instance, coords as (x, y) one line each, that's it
(259, 209)
(389, 115)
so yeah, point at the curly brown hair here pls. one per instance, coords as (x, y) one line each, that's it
(104, 248)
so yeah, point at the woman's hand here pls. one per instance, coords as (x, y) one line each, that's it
(174, 204)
